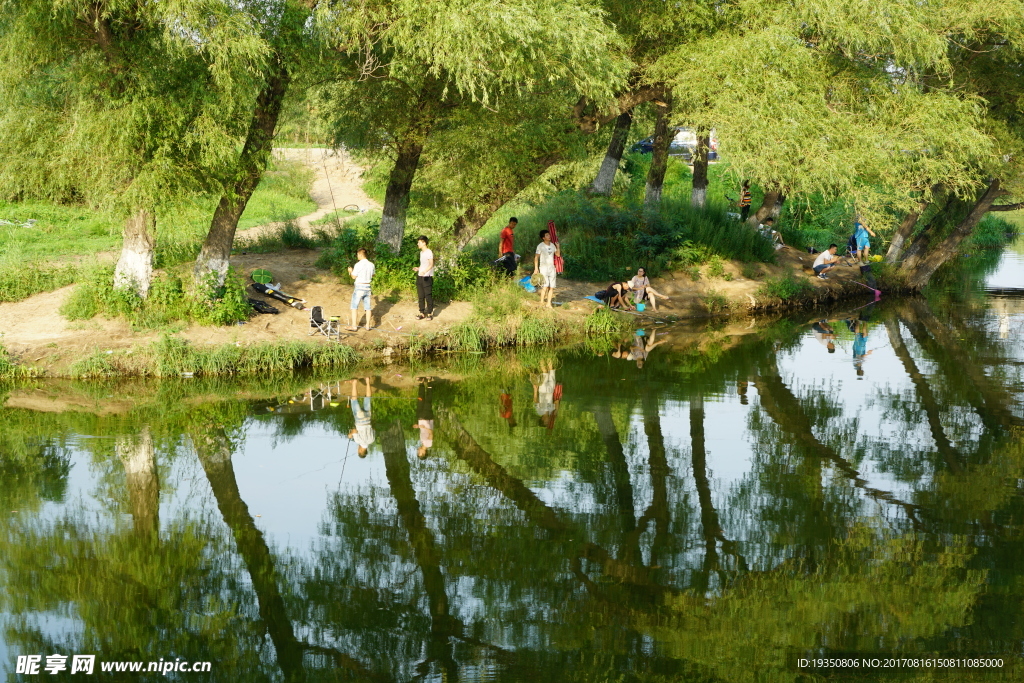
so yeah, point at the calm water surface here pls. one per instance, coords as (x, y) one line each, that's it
(687, 507)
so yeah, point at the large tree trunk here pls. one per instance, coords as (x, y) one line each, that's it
(947, 249)
(396, 198)
(771, 205)
(134, 268)
(663, 135)
(616, 146)
(906, 228)
(699, 193)
(216, 252)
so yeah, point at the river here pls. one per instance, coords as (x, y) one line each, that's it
(722, 505)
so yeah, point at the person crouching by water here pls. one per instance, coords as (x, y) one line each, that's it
(616, 293)
(425, 279)
(642, 290)
(362, 434)
(544, 263)
(362, 273)
(826, 261)
(424, 417)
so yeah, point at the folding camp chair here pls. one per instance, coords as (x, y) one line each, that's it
(329, 327)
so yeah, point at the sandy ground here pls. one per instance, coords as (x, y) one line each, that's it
(35, 332)
(337, 184)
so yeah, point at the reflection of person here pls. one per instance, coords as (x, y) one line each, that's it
(424, 418)
(544, 263)
(741, 389)
(860, 348)
(826, 261)
(425, 279)
(362, 273)
(825, 335)
(546, 395)
(642, 290)
(506, 409)
(862, 234)
(642, 347)
(506, 248)
(362, 434)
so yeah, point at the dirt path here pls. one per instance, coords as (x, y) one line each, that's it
(337, 184)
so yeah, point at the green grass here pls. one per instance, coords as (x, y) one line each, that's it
(171, 357)
(785, 287)
(44, 257)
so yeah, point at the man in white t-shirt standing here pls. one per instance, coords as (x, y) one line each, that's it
(826, 261)
(362, 273)
(544, 263)
(425, 279)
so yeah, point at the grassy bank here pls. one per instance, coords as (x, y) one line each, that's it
(63, 242)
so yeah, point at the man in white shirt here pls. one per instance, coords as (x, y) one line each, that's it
(544, 263)
(425, 279)
(362, 273)
(826, 261)
(363, 433)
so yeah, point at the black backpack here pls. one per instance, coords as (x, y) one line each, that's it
(851, 244)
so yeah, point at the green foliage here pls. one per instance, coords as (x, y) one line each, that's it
(716, 268)
(603, 323)
(171, 356)
(602, 240)
(169, 301)
(785, 287)
(20, 281)
(394, 275)
(715, 302)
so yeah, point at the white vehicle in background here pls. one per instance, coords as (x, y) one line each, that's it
(684, 144)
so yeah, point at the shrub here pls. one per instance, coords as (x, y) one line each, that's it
(716, 268)
(784, 287)
(715, 302)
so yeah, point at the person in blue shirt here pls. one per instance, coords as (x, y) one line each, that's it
(862, 234)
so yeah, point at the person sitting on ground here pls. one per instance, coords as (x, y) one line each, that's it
(826, 261)
(770, 233)
(616, 295)
(642, 290)
(362, 273)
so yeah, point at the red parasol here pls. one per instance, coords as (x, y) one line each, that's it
(559, 263)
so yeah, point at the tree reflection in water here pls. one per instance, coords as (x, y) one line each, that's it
(605, 546)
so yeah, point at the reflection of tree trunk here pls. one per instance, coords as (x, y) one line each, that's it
(991, 403)
(708, 515)
(663, 136)
(606, 175)
(214, 449)
(788, 413)
(620, 481)
(421, 538)
(467, 449)
(136, 453)
(931, 406)
(657, 462)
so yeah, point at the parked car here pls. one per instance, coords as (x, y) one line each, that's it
(683, 144)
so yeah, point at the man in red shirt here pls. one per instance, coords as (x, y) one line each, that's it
(506, 249)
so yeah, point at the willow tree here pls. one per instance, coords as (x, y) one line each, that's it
(826, 99)
(282, 30)
(418, 63)
(118, 106)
